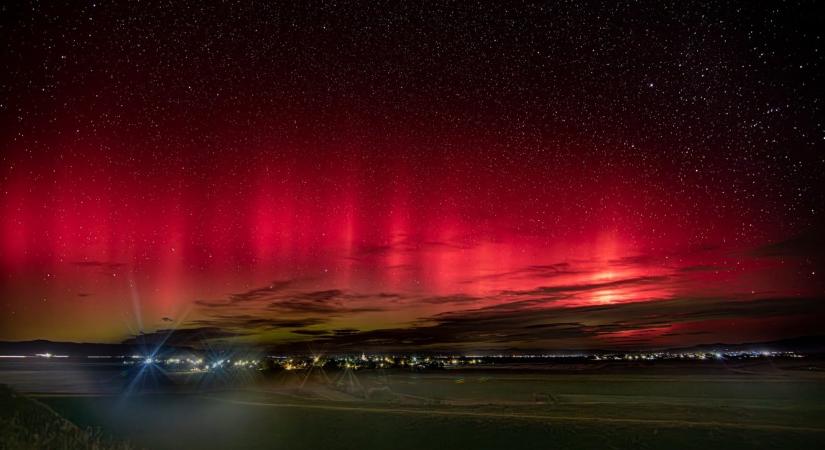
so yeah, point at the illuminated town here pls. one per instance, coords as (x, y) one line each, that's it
(192, 363)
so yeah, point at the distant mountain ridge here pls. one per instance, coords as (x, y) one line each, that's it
(41, 346)
(805, 344)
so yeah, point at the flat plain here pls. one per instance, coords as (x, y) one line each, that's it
(755, 405)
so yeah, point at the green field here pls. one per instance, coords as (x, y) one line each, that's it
(471, 410)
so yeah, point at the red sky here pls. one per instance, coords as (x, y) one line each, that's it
(366, 178)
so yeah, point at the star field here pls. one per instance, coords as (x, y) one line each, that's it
(411, 170)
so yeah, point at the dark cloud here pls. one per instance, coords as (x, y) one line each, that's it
(310, 332)
(185, 337)
(582, 327)
(636, 260)
(563, 315)
(251, 297)
(542, 290)
(287, 299)
(321, 296)
(329, 302)
(345, 331)
(246, 323)
(262, 293)
(687, 333)
(448, 299)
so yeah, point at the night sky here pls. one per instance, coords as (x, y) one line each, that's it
(375, 175)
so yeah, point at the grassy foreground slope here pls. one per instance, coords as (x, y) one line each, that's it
(29, 424)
